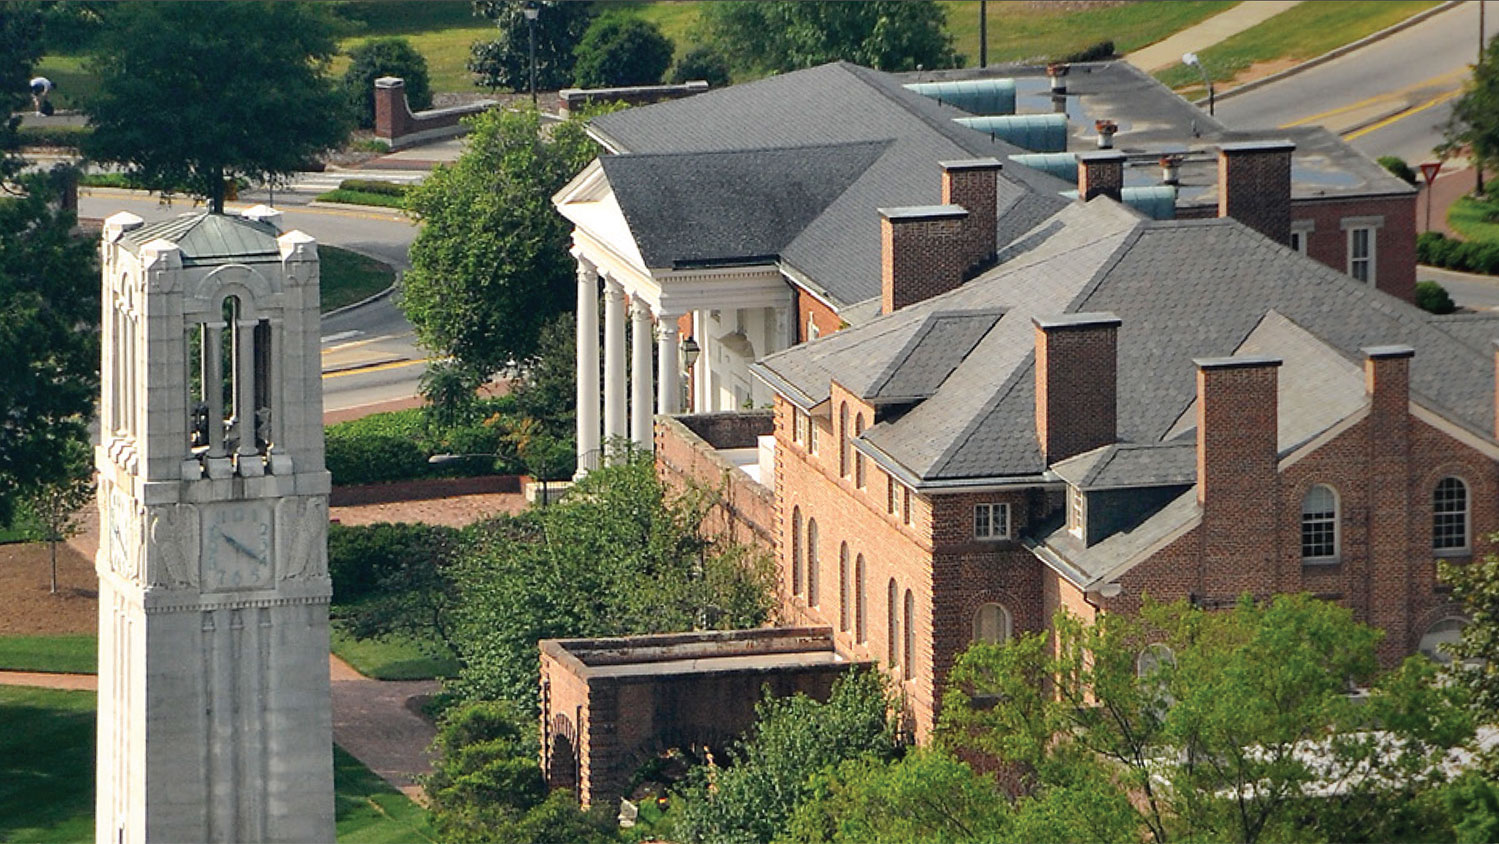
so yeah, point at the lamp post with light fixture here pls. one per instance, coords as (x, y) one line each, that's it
(1191, 60)
(531, 10)
(690, 352)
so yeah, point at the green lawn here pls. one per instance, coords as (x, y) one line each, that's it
(349, 277)
(390, 658)
(1021, 31)
(52, 654)
(1301, 32)
(1475, 219)
(47, 795)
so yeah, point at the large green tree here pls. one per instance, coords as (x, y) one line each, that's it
(490, 266)
(506, 61)
(782, 36)
(1474, 124)
(379, 57)
(1234, 725)
(193, 93)
(620, 50)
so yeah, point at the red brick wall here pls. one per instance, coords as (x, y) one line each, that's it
(1236, 448)
(1394, 242)
(1076, 388)
(824, 317)
(743, 511)
(919, 258)
(974, 188)
(1254, 187)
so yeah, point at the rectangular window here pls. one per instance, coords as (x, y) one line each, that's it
(1298, 242)
(799, 422)
(905, 504)
(812, 435)
(991, 521)
(1361, 254)
(1077, 510)
(890, 492)
(1301, 233)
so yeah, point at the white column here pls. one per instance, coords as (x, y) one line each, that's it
(640, 374)
(785, 337)
(614, 360)
(588, 366)
(213, 386)
(668, 378)
(702, 396)
(244, 384)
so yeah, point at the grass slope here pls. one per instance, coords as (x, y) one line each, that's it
(47, 794)
(1475, 219)
(1301, 32)
(78, 654)
(1026, 31)
(391, 658)
(348, 277)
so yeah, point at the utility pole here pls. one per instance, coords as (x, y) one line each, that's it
(1478, 166)
(984, 33)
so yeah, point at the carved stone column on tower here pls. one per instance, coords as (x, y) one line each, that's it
(668, 377)
(640, 373)
(588, 366)
(614, 360)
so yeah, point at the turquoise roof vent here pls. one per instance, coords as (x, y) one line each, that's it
(1035, 132)
(1063, 165)
(975, 96)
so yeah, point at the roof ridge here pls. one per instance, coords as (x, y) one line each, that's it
(637, 156)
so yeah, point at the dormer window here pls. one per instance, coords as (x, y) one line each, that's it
(1077, 511)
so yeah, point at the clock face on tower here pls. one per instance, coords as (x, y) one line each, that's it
(237, 546)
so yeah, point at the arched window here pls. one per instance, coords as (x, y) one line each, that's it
(796, 550)
(1319, 524)
(859, 455)
(909, 658)
(843, 587)
(892, 627)
(991, 623)
(861, 634)
(843, 441)
(813, 575)
(1438, 636)
(1152, 658)
(1449, 515)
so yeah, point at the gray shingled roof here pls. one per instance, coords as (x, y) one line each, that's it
(723, 207)
(942, 342)
(1110, 558)
(1184, 289)
(1131, 466)
(206, 238)
(838, 252)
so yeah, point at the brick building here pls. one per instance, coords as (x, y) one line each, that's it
(1122, 407)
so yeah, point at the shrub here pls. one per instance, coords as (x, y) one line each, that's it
(52, 136)
(374, 186)
(619, 50)
(1096, 52)
(361, 558)
(384, 57)
(1398, 168)
(1432, 297)
(703, 63)
(394, 446)
(1437, 250)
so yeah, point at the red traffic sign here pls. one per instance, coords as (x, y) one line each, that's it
(1430, 169)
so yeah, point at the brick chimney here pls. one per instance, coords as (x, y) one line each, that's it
(921, 253)
(974, 184)
(392, 114)
(1254, 186)
(1389, 563)
(1100, 173)
(1077, 367)
(1237, 474)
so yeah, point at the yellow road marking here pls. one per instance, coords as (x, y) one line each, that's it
(1402, 115)
(135, 196)
(377, 368)
(1378, 98)
(354, 344)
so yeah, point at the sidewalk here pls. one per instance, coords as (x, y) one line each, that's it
(1168, 51)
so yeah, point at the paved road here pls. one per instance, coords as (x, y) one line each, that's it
(1390, 98)
(369, 353)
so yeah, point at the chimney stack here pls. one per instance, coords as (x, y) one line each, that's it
(1107, 129)
(1077, 370)
(1102, 173)
(921, 253)
(973, 184)
(1057, 73)
(1254, 186)
(1171, 169)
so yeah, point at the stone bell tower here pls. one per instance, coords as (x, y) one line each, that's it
(214, 720)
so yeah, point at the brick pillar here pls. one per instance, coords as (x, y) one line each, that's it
(392, 115)
(1100, 174)
(973, 184)
(1076, 383)
(1254, 186)
(1386, 584)
(1237, 474)
(921, 253)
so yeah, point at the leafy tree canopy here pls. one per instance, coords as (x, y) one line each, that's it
(506, 61)
(782, 36)
(20, 48)
(384, 57)
(490, 265)
(620, 50)
(703, 63)
(192, 93)
(1474, 124)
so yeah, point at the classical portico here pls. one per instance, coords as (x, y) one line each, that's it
(723, 316)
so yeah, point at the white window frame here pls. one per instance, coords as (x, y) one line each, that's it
(799, 424)
(1371, 227)
(813, 446)
(812, 330)
(1077, 511)
(996, 517)
(1301, 234)
(1336, 522)
(1466, 512)
(1006, 623)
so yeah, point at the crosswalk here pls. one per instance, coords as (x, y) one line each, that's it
(331, 178)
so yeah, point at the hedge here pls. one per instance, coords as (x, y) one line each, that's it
(1437, 250)
(362, 559)
(1433, 298)
(374, 186)
(51, 136)
(394, 446)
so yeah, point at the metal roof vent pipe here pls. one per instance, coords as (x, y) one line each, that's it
(1057, 73)
(1107, 129)
(1171, 169)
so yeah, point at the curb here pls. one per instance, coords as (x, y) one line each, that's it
(1419, 17)
(366, 300)
(369, 364)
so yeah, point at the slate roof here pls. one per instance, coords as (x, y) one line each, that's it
(1131, 466)
(206, 238)
(1112, 556)
(1184, 289)
(837, 253)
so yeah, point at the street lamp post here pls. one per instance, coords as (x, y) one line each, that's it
(531, 10)
(690, 353)
(1191, 60)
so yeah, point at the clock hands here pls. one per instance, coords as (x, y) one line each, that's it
(240, 547)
